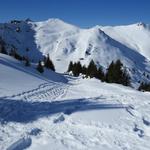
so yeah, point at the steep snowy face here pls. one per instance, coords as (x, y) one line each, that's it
(135, 36)
(19, 35)
(52, 37)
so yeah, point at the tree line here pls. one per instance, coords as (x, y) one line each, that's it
(115, 73)
(47, 63)
(144, 87)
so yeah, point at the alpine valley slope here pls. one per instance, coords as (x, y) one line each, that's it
(65, 43)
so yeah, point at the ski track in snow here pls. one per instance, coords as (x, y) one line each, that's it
(45, 92)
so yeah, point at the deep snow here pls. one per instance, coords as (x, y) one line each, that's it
(56, 112)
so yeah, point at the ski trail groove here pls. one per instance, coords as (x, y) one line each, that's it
(43, 92)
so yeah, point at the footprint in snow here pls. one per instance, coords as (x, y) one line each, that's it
(146, 122)
(35, 132)
(60, 119)
(139, 131)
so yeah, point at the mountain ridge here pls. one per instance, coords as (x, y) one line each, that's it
(65, 42)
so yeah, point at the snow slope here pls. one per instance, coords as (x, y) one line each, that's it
(20, 36)
(135, 36)
(52, 111)
(65, 43)
(18, 80)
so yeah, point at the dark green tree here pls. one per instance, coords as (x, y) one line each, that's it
(100, 74)
(48, 63)
(116, 74)
(110, 73)
(91, 69)
(27, 62)
(84, 70)
(144, 87)
(70, 66)
(2, 47)
(77, 69)
(40, 67)
(14, 54)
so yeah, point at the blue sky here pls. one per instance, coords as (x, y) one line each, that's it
(83, 13)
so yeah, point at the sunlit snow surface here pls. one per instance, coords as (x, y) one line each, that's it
(56, 112)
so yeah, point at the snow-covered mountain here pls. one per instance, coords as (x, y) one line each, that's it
(65, 43)
(135, 36)
(56, 111)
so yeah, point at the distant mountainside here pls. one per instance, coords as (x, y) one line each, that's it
(65, 43)
(135, 36)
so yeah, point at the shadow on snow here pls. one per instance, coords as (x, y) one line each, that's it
(24, 112)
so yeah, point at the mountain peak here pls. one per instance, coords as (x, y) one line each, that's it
(55, 20)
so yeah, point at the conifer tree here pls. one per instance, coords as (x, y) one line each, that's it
(77, 69)
(27, 62)
(144, 87)
(116, 74)
(110, 75)
(141, 87)
(100, 74)
(49, 64)
(2, 47)
(3, 50)
(74, 69)
(84, 70)
(91, 69)
(40, 67)
(70, 66)
(118, 77)
(14, 54)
